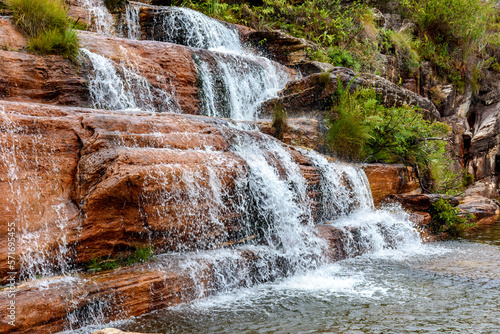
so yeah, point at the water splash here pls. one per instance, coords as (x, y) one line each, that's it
(100, 18)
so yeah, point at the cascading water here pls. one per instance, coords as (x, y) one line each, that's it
(100, 18)
(233, 81)
(234, 86)
(37, 220)
(191, 28)
(117, 87)
(131, 27)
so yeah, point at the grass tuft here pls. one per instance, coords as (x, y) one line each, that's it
(47, 25)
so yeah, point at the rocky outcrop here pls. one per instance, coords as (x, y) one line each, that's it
(299, 132)
(485, 210)
(386, 180)
(282, 47)
(311, 96)
(395, 96)
(109, 296)
(105, 183)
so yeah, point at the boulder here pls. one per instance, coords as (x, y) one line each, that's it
(388, 180)
(310, 97)
(485, 210)
(282, 47)
(300, 132)
(313, 67)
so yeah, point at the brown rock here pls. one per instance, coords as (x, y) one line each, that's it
(300, 132)
(310, 97)
(165, 66)
(106, 183)
(485, 211)
(395, 96)
(132, 291)
(282, 47)
(10, 38)
(390, 180)
(420, 218)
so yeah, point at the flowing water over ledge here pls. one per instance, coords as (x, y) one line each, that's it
(445, 287)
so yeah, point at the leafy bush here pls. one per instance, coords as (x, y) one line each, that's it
(446, 218)
(341, 57)
(47, 26)
(280, 122)
(453, 35)
(361, 128)
(114, 5)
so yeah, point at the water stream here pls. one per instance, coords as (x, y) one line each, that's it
(447, 287)
(397, 285)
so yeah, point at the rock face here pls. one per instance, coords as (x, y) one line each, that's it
(282, 47)
(310, 96)
(112, 182)
(388, 180)
(485, 210)
(300, 132)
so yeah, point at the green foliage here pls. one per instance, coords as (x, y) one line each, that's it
(360, 128)
(141, 255)
(453, 35)
(403, 45)
(446, 218)
(340, 57)
(324, 79)
(63, 43)
(348, 131)
(280, 122)
(115, 5)
(47, 26)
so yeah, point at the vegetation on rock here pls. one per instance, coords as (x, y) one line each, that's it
(361, 128)
(47, 25)
(141, 255)
(280, 122)
(447, 218)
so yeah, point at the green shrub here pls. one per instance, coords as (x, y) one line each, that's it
(361, 128)
(47, 26)
(341, 57)
(447, 218)
(280, 122)
(114, 5)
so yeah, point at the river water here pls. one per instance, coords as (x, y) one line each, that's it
(443, 287)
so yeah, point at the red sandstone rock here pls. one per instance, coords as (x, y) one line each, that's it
(390, 180)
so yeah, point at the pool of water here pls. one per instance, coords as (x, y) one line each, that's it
(444, 287)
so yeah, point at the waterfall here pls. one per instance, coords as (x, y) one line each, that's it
(234, 86)
(100, 18)
(233, 81)
(37, 220)
(121, 87)
(131, 28)
(191, 28)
